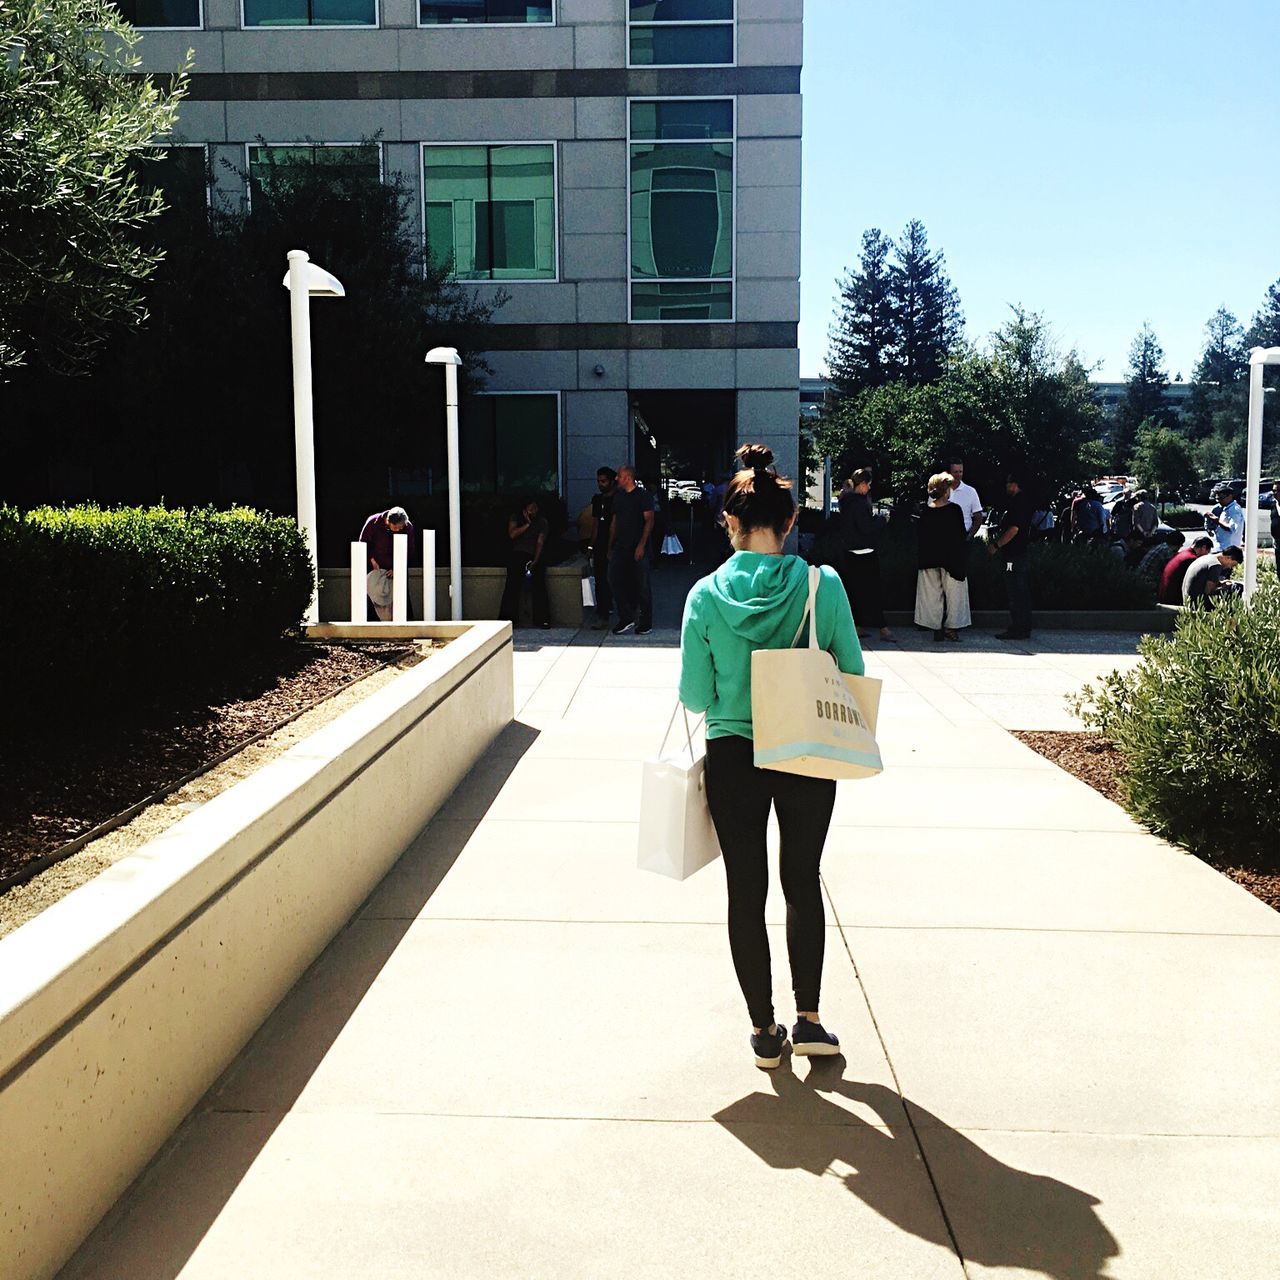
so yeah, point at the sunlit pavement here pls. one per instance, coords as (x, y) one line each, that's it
(524, 1058)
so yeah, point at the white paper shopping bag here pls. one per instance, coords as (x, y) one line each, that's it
(589, 592)
(677, 837)
(807, 716)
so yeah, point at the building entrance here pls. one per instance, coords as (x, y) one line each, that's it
(684, 441)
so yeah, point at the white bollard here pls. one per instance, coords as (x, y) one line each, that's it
(400, 577)
(359, 592)
(428, 575)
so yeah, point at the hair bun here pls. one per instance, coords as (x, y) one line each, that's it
(755, 457)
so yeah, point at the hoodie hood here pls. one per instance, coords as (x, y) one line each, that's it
(754, 594)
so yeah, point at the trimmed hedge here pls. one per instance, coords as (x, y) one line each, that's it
(1198, 724)
(107, 606)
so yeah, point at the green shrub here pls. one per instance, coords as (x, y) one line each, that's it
(114, 604)
(1063, 576)
(1198, 724)
(1183, 518)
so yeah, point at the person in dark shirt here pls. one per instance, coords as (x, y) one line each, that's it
(1170, 589)
(527, 536)
(601, 518)
(378, 535)
(630, 532)
(1204, 580)
(860, 563)
(1012, 542)
(942, 592)
(1275, 523)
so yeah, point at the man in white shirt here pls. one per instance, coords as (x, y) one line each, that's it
(1226, 520)
(965, 496)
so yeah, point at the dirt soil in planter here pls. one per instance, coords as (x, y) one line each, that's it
(1095, 760)
(61, 782)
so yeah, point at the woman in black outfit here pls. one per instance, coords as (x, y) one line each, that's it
(942, 588)
(527, 536)
(860, 563)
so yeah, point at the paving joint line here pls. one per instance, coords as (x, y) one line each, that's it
(897, 1084)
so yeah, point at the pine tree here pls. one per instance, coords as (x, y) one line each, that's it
(865, 334)
(1265, 329)
(1223, 362)
(929, 316)
(1143, 397)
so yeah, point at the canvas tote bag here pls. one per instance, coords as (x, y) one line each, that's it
(808, 717)
(677, 837)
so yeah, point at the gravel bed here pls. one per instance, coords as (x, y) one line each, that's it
(62, 780)
(1093, 759)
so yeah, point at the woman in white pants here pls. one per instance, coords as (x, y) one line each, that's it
(942, 591)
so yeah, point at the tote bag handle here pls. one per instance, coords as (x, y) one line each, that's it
(815, 576)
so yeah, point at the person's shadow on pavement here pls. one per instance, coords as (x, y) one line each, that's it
(1001, 1216)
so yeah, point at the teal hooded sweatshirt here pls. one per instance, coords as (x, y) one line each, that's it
(751, 602)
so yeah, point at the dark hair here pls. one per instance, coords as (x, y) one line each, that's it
(954, 460)
(861, 476)
(1014, 475)
(1233, 553)
(758, 497)
(607, 471)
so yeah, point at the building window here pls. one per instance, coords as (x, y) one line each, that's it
(183, 15)
(681, 209)
(491, 210)
(511, 445)
(179, 171)
(669, 33)
(342, 162)
(508, 13)
(310, 13)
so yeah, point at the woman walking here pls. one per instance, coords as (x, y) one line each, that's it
(942, 588)
(757, 600)
(860, 570)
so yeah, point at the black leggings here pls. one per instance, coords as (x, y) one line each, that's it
(739, 796)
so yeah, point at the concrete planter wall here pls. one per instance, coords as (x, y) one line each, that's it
(481, 593)
(121, 1004)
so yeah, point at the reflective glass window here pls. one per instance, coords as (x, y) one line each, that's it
(160, 13)
(681, 10)
(682, 118)
(676, 300)
(310, 13)
(179, 172)
(511, 445)
(436, 13)
(681, 193)
(490, 211)
(681, 45)
(346, 162)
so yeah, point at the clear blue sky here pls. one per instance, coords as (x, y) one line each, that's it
(1088, 160)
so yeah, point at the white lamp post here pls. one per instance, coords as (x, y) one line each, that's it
(448, 356)
(1259, 358)
(305, 281)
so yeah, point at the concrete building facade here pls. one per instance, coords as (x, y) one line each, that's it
(627, 170)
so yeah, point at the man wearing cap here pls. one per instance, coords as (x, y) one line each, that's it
(377, 534)
(1226, 520)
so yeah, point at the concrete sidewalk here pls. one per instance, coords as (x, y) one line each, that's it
(526, 1059)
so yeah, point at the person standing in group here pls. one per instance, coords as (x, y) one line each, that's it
(860, 570)
(1170, 589)
(1145, 516)
(757, 600)
(630, 532)
(942, 588)
(601, 520)
(378, 535)
(1275, 524)
(1122, 516)
(1012, 542)
(527, 538)
(965, 496)
(1226, 521)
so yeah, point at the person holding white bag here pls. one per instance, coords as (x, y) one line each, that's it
(756, 600)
